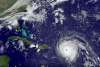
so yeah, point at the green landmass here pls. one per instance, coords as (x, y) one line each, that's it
(22, 9)
(44, 46)
(5, 4)
(4, 61)
(25, 40)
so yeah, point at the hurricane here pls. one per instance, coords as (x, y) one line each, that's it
(49, 33)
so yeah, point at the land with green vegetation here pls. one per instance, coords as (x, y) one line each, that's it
(5, 4)
(25, 40)
(43, 46)
(4, 61)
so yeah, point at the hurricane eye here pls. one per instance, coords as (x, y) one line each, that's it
(68, 50)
